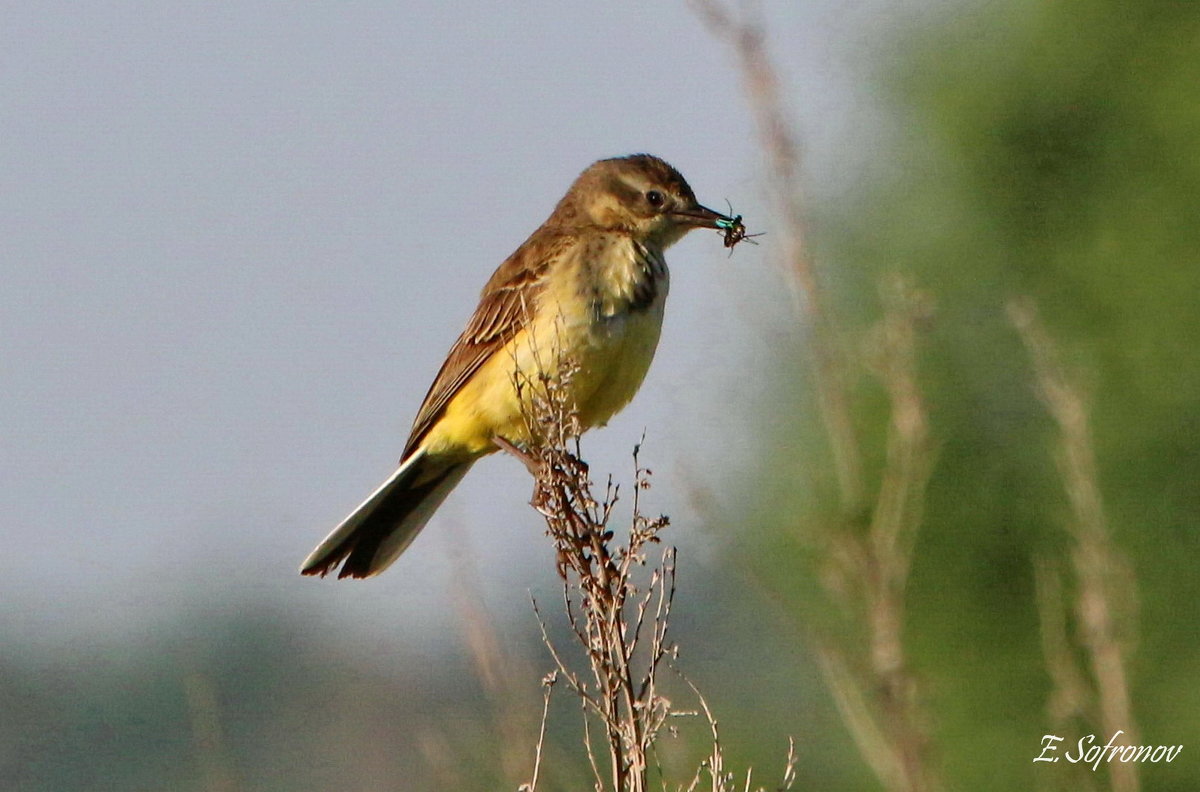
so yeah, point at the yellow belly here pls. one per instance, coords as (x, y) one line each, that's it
(611, 357)
(613, 361)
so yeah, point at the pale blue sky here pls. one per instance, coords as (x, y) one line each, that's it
(238, 239)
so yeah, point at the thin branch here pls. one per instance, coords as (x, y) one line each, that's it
(548, 688)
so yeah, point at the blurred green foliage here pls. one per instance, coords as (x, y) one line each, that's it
(1047, 149)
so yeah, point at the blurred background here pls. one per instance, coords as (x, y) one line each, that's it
(238, 239)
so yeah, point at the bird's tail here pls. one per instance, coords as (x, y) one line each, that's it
(379, 530)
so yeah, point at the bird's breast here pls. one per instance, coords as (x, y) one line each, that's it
(621, 276)
(622, 291)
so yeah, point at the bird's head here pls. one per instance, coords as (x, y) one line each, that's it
(640, 195)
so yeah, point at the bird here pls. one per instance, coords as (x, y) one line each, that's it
(587, 287)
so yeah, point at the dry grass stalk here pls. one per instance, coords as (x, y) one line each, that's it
(548, 682)
(1071, 693)
(618, 617)
(897, 516)
(713, 765)
(867, 573)
(761, 83)
(1102, 577)
(867, 569)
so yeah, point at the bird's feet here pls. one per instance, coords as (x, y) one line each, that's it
(531, 463)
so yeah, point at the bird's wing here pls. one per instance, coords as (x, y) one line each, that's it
(505, 307)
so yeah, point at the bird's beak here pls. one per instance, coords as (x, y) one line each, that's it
(700, 217)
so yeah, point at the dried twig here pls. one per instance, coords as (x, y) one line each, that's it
(548, 683)
(618, 612)
(605, 611)
(1101, 573)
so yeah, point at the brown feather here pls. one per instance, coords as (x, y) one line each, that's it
(505, 306)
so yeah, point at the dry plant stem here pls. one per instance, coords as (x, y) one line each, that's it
(714, 764)
(761, 82)
(1071, 695)
(879, 702)
(548, 688)
(877, 695)
(896, 518)
(620, 624)
(1099, 567)
(606, 610)
(857, 713)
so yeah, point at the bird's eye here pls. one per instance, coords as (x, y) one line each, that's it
(655, 198)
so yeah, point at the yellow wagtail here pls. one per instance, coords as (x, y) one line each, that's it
(589, 287)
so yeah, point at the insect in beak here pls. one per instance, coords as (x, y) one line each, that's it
(734, 230)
